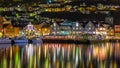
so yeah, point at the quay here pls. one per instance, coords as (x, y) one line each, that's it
(74, 39)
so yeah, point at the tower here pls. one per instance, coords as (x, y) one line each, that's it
(109, 19)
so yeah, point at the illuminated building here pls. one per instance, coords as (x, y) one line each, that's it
(9, 30)
(101, 30)
(30, 31)
(90, 28)
(5, 28)
(66, 28)
(45, 29)
(117, 31)
(38, 28)
(72, 28)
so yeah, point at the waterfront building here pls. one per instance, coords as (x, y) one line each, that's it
(117, 31)
(77, 29)
(66, 28)
(44, 29)
(30, 31)
(6, 28)
(54, 28)
(110, 32)
(37, 26)
(101, 31)
(63, 28)
(89, 28)
(11, 31)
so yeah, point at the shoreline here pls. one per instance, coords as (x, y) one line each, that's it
(79, 41)
(63, 40)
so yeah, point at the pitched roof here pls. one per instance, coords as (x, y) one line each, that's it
(44, 24)
(90, 26)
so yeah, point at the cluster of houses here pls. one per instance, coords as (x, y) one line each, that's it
(75, 28)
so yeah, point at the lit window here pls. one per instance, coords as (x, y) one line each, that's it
(73, 28)
(54, 28)
(77, 24)
(77, 28)
(54, 24)
(89, 28)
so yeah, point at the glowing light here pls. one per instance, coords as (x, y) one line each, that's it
(1, 34)
(77, 24)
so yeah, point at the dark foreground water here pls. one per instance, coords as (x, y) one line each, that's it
(58, 55)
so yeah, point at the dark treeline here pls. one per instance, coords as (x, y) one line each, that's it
(94, 2)
(6, 2)
(75, 16)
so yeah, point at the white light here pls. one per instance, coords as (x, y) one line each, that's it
(54, 24)
(77, 24)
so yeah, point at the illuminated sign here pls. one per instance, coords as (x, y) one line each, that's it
(30, 27)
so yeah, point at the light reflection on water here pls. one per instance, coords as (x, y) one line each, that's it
(58, 55)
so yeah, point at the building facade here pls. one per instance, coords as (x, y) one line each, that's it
(68, 28)
(72, 28)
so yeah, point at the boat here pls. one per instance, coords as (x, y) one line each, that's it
(22, 45)
(37, 40)
(21, 39)
(5, 41)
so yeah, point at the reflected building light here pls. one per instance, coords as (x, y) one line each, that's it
(10, 64)
(77, 58)
(45, 51)
(30, 51)
(11, 49)
(39, 51)
(54, 56)
(63, 52)
(58, 51)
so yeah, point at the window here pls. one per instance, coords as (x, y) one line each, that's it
(77, 24)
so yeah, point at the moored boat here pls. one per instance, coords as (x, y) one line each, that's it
(5, 41)
(37, 40)
(20, 40)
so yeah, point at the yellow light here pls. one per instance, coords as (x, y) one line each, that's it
(91, 8)
(112, 8)
(46, 9)
(1, 34)
(80, 9)
(45, 29)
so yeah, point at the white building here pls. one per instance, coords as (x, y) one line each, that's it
(66, 28)
(89, 28)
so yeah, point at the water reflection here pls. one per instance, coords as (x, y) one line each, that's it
(57, 55)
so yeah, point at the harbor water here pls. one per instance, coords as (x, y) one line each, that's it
(60, 55)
